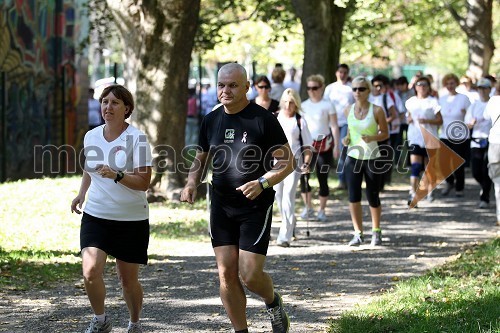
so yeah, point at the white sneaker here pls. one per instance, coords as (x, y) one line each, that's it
(305, 213)
(322, 216)
(96, 327)
(484, 204)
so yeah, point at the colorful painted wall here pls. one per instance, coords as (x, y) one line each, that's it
(43, 85)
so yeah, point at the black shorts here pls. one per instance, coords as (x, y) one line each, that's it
(125, 240)
(236, 220)
(417, 150)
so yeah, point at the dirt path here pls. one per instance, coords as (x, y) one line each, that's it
(319, 277)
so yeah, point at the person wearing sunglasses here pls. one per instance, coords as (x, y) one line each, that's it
(263, 87)
(423, 111)
(367, 125)
(321, 118)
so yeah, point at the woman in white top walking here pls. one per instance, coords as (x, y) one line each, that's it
(454, 133)
(479, 144)
(300, 141)
(321, 118)
(492, 113)
(115, 219)
(423, 114)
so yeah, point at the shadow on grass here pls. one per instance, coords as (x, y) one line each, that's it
(26, 269)
(463, 316)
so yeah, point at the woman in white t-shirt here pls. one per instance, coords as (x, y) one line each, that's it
(321, 118)
(423, 114)
(492, 113)
(479, 143)
(454, 133)
(115, 219)
(300, 140)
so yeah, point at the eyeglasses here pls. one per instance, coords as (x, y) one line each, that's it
(421, 84)
(313, 88)
(264, 87)
(360, 89)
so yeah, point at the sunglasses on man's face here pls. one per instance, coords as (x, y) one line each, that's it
(421, 84)
(360, 89)
(263, 87)
(314, 88)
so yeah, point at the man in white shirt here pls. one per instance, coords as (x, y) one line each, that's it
(387, 100)
(340, 94)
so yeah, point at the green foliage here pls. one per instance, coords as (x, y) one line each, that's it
(217, 14)
(396, 30)
(461, 296)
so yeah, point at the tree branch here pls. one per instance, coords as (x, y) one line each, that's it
(460, 20)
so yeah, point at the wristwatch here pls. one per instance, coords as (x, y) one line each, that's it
(119, 176)
(264, 183)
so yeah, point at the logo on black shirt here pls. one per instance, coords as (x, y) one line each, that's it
(229, 135)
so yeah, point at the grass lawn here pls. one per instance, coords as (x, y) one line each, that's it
(39, 236)
(462, 296)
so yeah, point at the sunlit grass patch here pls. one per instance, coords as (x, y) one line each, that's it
(461, 296)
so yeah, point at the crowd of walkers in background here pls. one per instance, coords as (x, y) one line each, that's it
(361, 127)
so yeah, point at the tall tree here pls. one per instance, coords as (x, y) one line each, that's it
(159, 38)
(323, 22)
(477, 23)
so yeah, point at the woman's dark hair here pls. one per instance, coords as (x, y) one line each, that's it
(122, 94)
(262, 78)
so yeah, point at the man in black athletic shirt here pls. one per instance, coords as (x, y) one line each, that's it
(249, 153)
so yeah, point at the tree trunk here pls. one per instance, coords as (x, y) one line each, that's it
(478, 26)
(159, 38)
(323, 23)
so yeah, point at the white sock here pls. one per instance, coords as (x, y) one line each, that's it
(101, 318)
(131, 324)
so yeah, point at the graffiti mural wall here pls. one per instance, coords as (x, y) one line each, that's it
(41, 72)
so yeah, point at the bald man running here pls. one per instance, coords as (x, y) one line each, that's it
(243, 141)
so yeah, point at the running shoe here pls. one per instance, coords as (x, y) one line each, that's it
(376, 238)
(96, 327)
(305, 213)
(283, 244)
(322, 216)
(410, 199)
(483, 204)
(279, 318)
(357, 240)
(447, 188)
(136, 328)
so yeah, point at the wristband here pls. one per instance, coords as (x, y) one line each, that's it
(119, 176)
